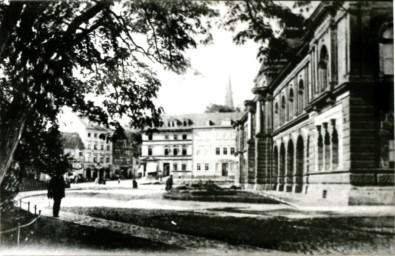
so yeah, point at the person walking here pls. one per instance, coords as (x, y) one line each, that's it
(135, 183)
(56, 190)
(169, 183)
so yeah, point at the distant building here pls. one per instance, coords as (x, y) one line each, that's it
(322, 125)
(126, 152)
(197, 146)
(97, 143)
(74, 147)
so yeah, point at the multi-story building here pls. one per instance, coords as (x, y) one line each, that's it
(214, 146)
(191, 146)
(322, 124)
(74, 147)
(97, 143)
(126, 152)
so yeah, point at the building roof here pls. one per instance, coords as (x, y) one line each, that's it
(201, 120)
(72, 140)
(91, 125)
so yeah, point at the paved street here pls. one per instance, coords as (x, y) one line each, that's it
(147, 201)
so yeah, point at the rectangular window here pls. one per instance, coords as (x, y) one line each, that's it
(225, 151)
(95, 146)
(206, 166)
(89, 134)
(108, 147)
(94, 160)
(166, 137)
(175, 166)
(102, 147)
(175, 137)
(217, 151)
(184, 137)
(184, 151)
(232, 151)
(80, 153)
(150, 136)
(184, 167)
(198, 167)
(150, 151)
(95, 135)
(107, 160)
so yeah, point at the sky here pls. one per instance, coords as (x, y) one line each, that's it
(205, 82)
(211, 68)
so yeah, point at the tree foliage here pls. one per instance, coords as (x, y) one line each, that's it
(41, 149)
(272, 24)
(55, 54)
(215, 108)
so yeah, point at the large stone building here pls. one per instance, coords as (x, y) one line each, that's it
(199, 146)
(322, 125)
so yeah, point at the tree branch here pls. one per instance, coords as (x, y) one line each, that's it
(85, 17)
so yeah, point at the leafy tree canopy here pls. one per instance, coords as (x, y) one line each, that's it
(214, 108)
(54, 54)
(269, 23)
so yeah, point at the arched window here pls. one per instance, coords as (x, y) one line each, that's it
(299, 164)
(275, 165)
(386, 49)
(291, 104)
(276, 115)
(323, 69)
(327, 149)
(335, 149)
(184, 150)
(175, 151)
(150, 150)
(320, 149)
(282, 111)
(300, 97)
(281, 170)
(290, 163)
(167, 151)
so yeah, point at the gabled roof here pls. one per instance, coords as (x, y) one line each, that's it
(72, 140)
(202, 120)
(91, 125)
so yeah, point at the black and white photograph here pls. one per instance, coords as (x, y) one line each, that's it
(197, 127)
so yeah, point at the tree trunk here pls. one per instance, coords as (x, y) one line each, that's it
(10, 135)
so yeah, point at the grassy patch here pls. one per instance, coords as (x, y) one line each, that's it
(218, 196)
(298, 236)
(50, 232)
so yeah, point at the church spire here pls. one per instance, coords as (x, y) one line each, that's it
(229, 95)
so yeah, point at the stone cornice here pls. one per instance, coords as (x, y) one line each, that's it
(250, 105)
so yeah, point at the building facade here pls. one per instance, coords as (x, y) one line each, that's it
(126, 152)
(97, 143)
(74, 147)
(322, 124)
(214, 151)
(191, 146)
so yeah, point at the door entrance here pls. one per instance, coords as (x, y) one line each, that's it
(166, 169)
(225, 168)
